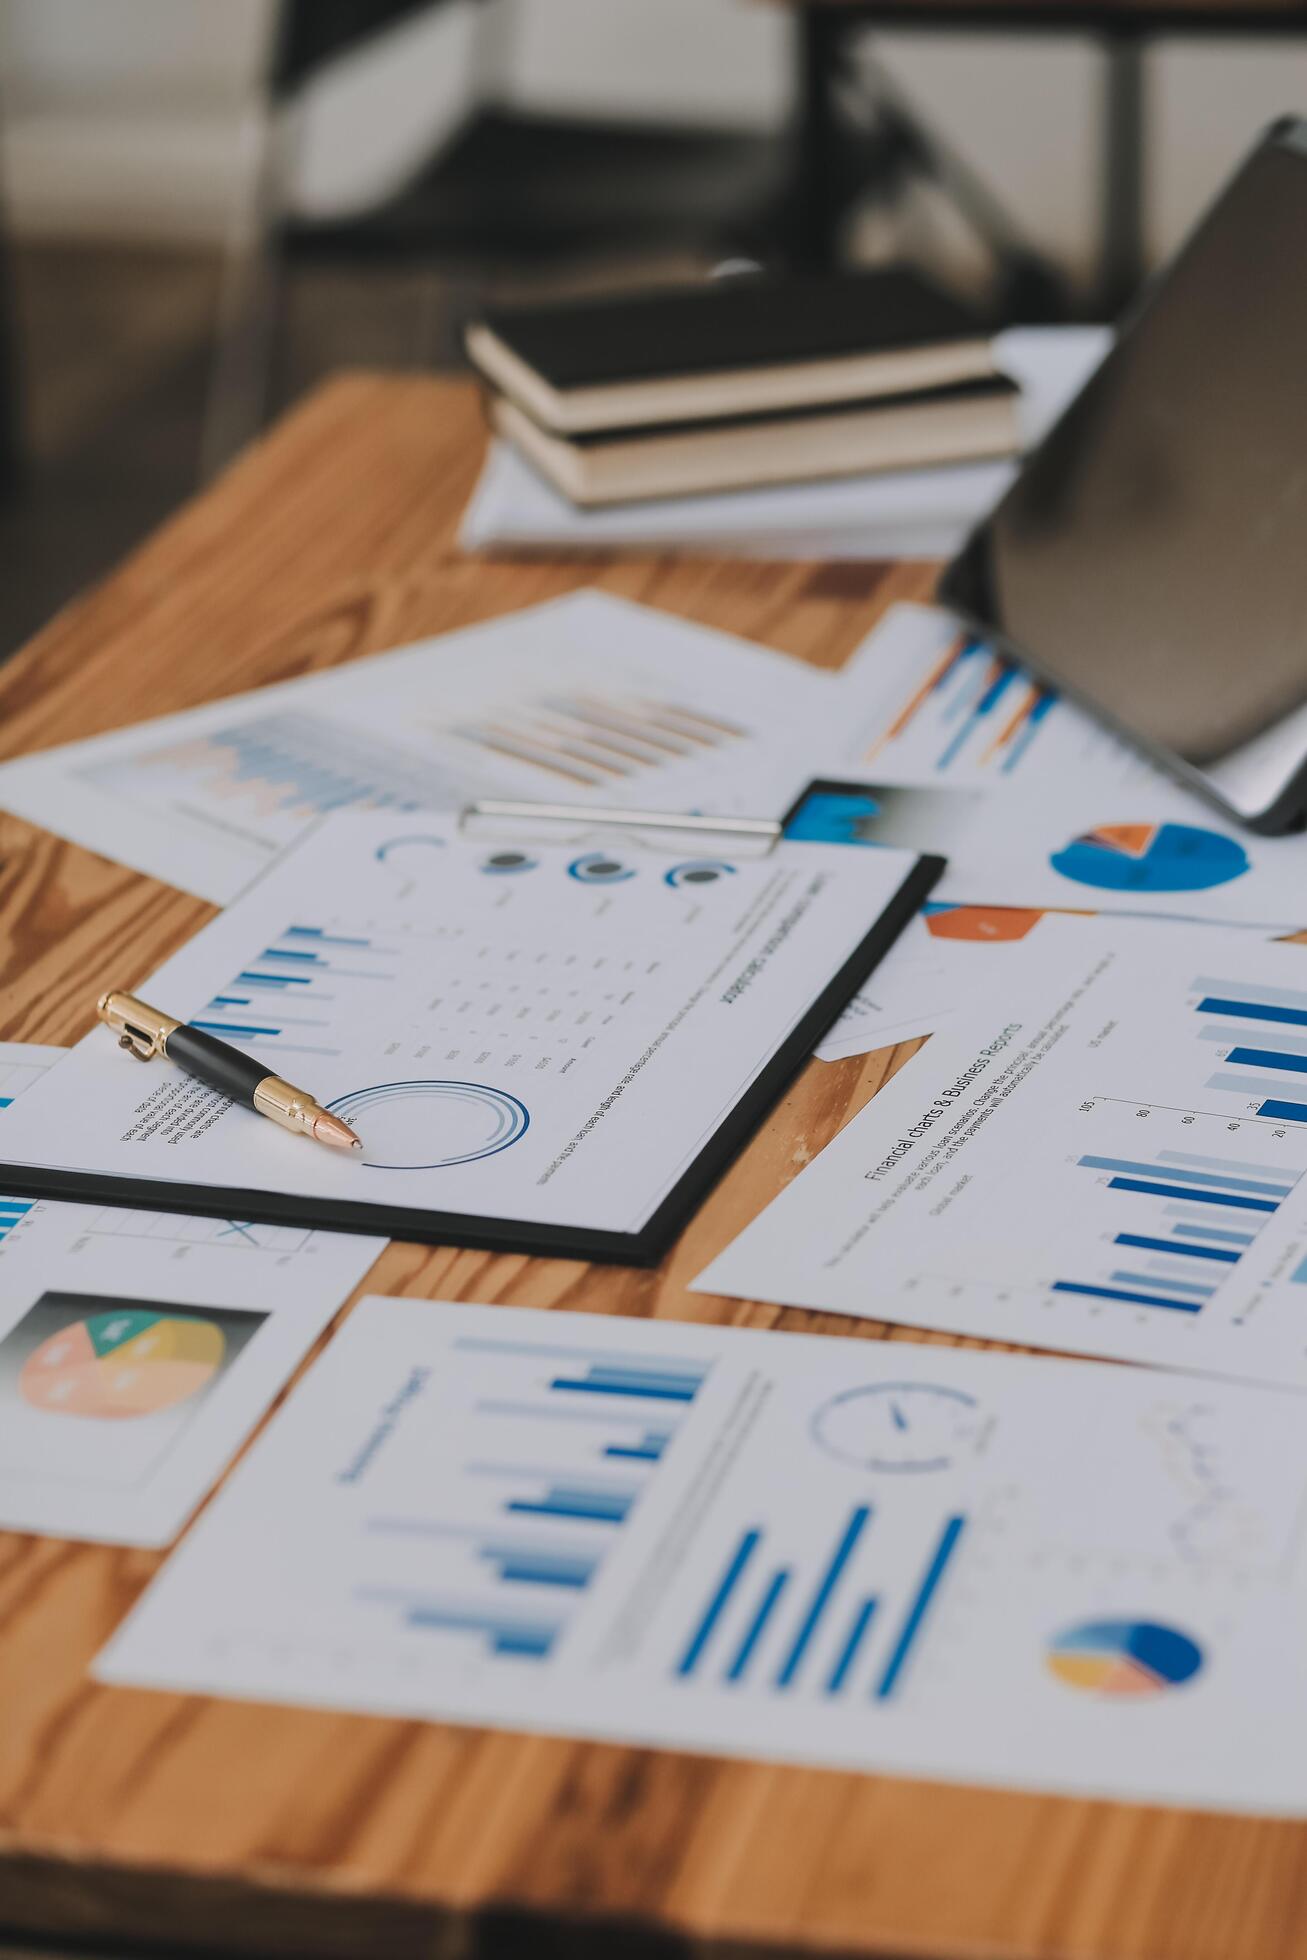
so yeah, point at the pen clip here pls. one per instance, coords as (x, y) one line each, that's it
(141, 1030)
(135, 1044)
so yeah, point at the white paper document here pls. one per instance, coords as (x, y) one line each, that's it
(1109, 1157)
(933, 974)
(549, 1032)
(981, 1568)
(948, 747)
(138, 1350)
(585, 697)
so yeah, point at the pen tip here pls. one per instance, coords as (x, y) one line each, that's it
(329, 1129)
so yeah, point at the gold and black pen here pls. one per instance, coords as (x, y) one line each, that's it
(145, 1032)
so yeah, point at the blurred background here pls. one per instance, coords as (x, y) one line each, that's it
(209, 205)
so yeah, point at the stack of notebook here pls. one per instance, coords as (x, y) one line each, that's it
(745, 382)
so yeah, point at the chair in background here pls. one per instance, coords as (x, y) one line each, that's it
(507, 192)
(837, 165)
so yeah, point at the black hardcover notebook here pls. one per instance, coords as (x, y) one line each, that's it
(545, 1046)
(735, 347)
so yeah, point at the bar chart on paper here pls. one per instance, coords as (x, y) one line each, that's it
(975, 713)
(1169, 1225)
(821, 1625)
(1174, 1200)
(495, 1549)
(266, 778)
(13, 1213)
(1259, 1036)
(294, 993)
(255, 784)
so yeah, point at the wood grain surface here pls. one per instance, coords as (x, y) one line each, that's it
(135, 1816)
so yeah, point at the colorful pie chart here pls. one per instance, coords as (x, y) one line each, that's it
(130, 1362)
(1151, 857)
(1123, 1658)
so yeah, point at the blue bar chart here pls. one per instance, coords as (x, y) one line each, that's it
(818, 1632)
(975, 712)
(12, 1212)
(1179, 1223)
(1260, 1037)
(560, 1445)
(287, 765)
(294, 992)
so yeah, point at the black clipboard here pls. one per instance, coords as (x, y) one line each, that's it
(429, 1227)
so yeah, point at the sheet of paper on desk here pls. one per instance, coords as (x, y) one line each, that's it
(949, 956)
(984, 1568)
(553, 1033)
(1035, 807)
(138, 1349)
(1108, 1157)
(1031, 802)
(585, 698)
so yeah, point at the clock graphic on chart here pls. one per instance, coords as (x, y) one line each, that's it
(898, 1426)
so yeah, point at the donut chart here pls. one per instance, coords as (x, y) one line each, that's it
(394, 845)
(1151, 857)
(1124, 1658)
(427, 1126)
(599, 868)
(699, 871)
(123, 1364)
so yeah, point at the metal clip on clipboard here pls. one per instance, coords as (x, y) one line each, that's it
(510, 820)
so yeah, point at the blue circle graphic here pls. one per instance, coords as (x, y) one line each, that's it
(1164, 857)
(597, 868)
(699, 871)
(401, 1123)
(402, 843)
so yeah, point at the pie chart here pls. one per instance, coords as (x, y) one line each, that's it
(1151, 857)
(130, 1362)
(1122, 1658)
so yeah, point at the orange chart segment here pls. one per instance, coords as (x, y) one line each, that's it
(994, 923)
(1134, 839)
(122, 1365)
(1124, 1658)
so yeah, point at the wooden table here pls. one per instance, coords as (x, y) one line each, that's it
(127, 1815)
